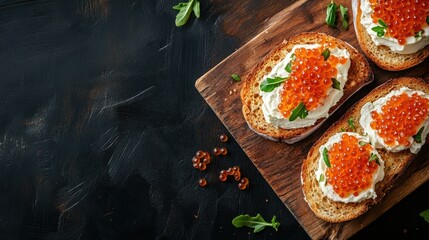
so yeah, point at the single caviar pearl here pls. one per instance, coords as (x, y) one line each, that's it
(242, 186)
(216, 151)
(223, 177)
(207, 155)
(195, 165)
(223, 138)
(200, 154)
(245, 181)
(202, 166)
(202, 182)
(237, 176)
(223, 151)
(236, 168)
(229, 171)
(206, 160)
(195, 160)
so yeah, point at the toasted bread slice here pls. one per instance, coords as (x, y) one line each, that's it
(359, 75)
(395, 163)
(382, 55)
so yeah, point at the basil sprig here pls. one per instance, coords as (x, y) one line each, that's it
(185, 9)
(269, 84)
(258, 223)
(380, 30)
(418, 136)
(326, 157)
(300, 111)
(331, 14)
(344, 16)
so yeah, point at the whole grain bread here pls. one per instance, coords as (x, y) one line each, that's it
(382, 55)
(359, 75)
(395, 163)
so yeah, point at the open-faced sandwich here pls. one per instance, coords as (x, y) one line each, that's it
(356, 161)
(394, 34)
(299, 84)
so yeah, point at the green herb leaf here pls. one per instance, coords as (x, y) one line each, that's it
(362, 143)
(300, 111)
(326, 157)
(344, 16)
(352, 124)
(236, 77)
(326, 53)
(383, 24)
(425, 215)
(379, 30)
(427, 20)
(331, 14)
(374, 157)
(418, 34)
(418, 136)
(321, 178)
(269, 84)
(292, 56)
(336, 84)
(258, 223)
(342, 129)
(185, 9)
(288, 67)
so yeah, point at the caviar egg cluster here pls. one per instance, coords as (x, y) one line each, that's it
(310, 78)
(201, 160)
(404, 18)
(234, 172)
(400, 118)
(351, 171)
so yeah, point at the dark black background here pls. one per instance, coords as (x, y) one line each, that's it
(99, 120)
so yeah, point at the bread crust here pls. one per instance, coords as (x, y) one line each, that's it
(359, 75)
(395, 163)
(382, 55)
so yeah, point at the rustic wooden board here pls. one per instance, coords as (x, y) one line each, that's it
(280, 163)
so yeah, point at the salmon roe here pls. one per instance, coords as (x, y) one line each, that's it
(400, 118)
(351, 171)
(404, 18)
(310, 78)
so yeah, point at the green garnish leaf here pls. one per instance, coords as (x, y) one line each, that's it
(326, 158)
(258, 223)
(269, 84)
(185, 9)
(352, 124)
(288, 67)
(418, 136)
(383, 24)
(362, 143)
(236, 77)
(321, 178)
(379, 30)
(344, 16)
(292, 56)
(374, 157)
(326, 53)
(425, 215)
(331, 14)
(342, 129)
(335, 83)
(418, 34)
(299, 111)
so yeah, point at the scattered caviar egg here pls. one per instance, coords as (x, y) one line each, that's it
(237, 176)
(195, 165)
(195, 160)
(200, 154)
(223, 177)
(202, 182)
(400, 118)
(202, 166)
(216, 151)
(223, 151)
(404, 18)
(351, 170)
(223, 138)
(245, 181)
(310, 79)
(243, 184)
(206, 160)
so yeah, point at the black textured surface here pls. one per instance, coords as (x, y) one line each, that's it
(99, 119)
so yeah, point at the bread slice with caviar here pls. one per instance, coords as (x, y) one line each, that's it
(395, 163)
(382, 55)
(359, 74)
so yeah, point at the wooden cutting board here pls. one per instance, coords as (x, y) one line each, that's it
(280, 163)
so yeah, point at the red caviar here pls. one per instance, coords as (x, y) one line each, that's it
(404, 18)
(351, 171)
(400, 118)
(310, 78)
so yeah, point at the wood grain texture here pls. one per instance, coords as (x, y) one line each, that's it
(279, 163)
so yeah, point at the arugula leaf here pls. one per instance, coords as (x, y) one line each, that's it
(300, 111)
(326, 53)
(383, 24)
(321, 178)
(344, 16)
(418, 34)
(185, 9)
(258, 223)
(288, 67)
(418, 136)
(425, 215)
(269, 84)
(380, 30)
(331, 14)
(326, 157)
(352, 124)
(335, 83)
(374, 157)
(236, 77)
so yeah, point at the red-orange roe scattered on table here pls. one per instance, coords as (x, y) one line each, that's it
(400, 118)
(404, 18)
(310, 78)
(351, 171)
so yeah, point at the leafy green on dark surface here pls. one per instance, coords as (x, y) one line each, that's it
(331, 14)
(185, 9)
(258, 223)
(326, 157)
(300, 111)
(236, 77)
(425, 215)
(418, 136)
(326, 53)
(344, 16)
(269, 84)
(336, 84)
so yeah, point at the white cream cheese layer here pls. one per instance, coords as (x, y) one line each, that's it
(272, 99)
(376, 140)
(412, 44)
(328, 189)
